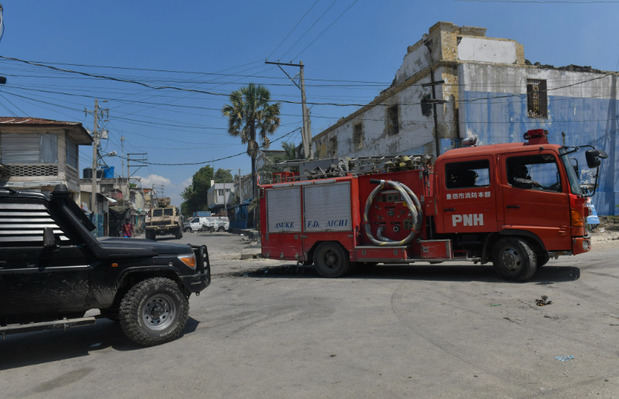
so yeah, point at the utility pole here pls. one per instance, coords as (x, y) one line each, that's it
(306, 134)
(122, 154)
(434, 101)
(140, 158)
(98, 114)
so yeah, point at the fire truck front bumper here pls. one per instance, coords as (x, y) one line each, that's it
(581, 244)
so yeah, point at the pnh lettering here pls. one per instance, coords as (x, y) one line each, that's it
(284, 225)
(470, 219)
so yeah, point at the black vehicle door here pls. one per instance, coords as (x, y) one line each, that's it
(34, 279)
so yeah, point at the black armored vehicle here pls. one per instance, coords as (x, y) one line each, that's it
(53, 270)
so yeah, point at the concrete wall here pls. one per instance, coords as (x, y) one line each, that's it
(582, 105)
(416, 126)
(487, 50)
(441, 49)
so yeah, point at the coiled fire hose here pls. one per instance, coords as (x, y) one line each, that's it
(412, 203)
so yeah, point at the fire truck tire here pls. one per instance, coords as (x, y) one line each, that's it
(542, 258)
(514, 259)
(331, 260)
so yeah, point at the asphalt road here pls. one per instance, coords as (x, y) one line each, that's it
(267, 329)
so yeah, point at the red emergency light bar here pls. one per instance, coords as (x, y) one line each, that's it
(536, 136)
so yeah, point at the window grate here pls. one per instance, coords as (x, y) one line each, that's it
(32, 170)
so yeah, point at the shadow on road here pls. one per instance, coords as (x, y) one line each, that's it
(546, 275)
(47, 346)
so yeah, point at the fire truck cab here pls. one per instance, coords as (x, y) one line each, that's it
(515, 205)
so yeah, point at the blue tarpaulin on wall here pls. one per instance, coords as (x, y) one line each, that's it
(584, 121)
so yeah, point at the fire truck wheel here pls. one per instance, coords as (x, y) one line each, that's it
(542, 259)
(514, 259)
(331, 260)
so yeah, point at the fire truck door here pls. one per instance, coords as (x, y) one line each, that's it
(535, 199)
(283, 223)
(466, 203)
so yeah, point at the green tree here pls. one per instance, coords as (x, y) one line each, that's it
(223, 176)
(195, 194)
(290, 149)
(250, 113)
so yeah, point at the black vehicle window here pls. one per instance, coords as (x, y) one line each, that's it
(535, 172)
(157, 212)
(168, 212)
(467, 174)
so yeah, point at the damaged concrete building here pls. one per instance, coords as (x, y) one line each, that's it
(456, 83)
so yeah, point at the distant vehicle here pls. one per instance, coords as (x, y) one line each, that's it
(163, 219)
(592, 221)
(209, 223)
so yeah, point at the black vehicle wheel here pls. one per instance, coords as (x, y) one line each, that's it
(542, 258)
(150, 235)
(331, 260)
(514, 259)
(221, 228)
(153, 311)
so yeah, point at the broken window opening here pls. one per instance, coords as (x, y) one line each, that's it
(333, 146)
(426, 106)
(357, 136)
(537, 98)
(393, 121)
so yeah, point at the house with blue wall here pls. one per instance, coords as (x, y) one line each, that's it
(456, 83)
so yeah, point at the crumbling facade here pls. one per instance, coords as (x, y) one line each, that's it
(484, 88)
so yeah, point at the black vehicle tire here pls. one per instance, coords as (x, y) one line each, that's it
(221, 228)
(179, 233)
(514, 259)
(153, 311)
(331, 260)
(542, 258)
(150, 234)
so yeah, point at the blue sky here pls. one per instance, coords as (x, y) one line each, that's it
(351, 49)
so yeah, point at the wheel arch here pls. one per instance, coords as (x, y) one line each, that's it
(312, 251)
(532, 238)
(130, 277)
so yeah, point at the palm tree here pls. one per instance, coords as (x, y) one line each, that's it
(290, 150)
(249, 112)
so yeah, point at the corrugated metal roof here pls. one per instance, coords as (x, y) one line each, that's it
(79, 134)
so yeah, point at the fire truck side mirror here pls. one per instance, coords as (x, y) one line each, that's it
(594, 157)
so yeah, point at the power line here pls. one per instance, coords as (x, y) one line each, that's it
(310, 28)
(287, 35)
(188, 72)
(326, 29)
(214, 160)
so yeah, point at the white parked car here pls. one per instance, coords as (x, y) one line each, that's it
(209, 223)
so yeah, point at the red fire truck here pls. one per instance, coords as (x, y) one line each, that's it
(516, 205)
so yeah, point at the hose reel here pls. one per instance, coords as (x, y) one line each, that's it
(412, 203)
